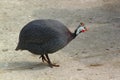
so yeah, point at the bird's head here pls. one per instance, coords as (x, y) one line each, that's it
(80, 29)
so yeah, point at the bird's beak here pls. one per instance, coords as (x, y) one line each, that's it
(86, 29)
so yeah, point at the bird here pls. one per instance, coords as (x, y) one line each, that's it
(46, 36)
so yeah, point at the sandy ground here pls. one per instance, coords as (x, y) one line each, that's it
(94, 55)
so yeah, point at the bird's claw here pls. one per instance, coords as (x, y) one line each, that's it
(54, 65)
(46, 59)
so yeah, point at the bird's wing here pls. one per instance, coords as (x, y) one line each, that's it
(40, 37)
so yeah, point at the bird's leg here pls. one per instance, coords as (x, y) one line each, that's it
(43, 58)
(49, 62)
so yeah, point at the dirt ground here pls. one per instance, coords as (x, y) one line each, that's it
(94, 55)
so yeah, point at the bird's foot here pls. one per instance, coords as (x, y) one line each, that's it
(54, 65)
(45, 58)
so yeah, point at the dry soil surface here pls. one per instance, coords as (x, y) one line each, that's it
(94, 55)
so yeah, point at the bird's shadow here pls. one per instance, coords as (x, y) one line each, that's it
(22, 65)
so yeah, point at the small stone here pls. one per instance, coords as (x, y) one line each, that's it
(107, 49)
(84, 51)
(4, 50)
(95, 65)
(79, 69)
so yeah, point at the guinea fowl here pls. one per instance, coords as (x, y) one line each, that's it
(46, 36)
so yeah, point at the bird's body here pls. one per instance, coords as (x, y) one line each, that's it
(42, 37)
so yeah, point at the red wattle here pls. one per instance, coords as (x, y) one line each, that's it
(83, 30)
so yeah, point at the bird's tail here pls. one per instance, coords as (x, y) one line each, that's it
(17, 48)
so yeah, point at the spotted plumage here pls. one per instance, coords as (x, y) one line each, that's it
(43, 37)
